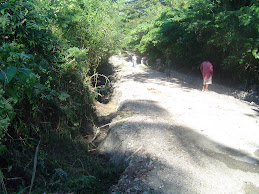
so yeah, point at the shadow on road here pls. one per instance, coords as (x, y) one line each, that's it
(146, 170)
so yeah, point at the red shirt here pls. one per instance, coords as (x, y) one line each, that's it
(206, 69)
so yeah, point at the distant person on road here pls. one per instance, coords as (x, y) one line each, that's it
(130, 57)
(143, 60)
(168, 68)
(207, 73)
(134, 60)
(159, 62)
(147, 62)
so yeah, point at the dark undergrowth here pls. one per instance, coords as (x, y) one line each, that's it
(63, 166)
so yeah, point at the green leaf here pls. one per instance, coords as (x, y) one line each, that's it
(14, 94)
(24, 74)
(63, 96)
(34, 166)
(255, 54)
(28, 56)
(8, 74)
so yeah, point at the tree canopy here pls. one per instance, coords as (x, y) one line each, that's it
(224, 32)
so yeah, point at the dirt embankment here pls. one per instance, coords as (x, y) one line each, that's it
(175, 139)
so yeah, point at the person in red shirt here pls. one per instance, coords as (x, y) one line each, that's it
(207, 73)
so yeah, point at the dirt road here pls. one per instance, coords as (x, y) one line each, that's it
(177, 139)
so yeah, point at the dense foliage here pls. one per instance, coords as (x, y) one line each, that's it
(51, 56)
(222, 31)
(49, 53)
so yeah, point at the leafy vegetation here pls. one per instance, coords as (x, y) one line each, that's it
(224, 32)
(53, 55)
(49, 54)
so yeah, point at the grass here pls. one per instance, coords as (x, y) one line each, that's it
(120, 123)
(85, 171)
(119, 66)
(63, 166)
(124, 114)
(143, 67)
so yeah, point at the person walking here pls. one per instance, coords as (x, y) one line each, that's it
(168, 69)
(143, 60)
(129, 57)
(134, 60)
(119, 55)
(159, 62)
(207, 73)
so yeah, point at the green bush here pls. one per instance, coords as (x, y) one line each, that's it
(189, 32)
(49, 52)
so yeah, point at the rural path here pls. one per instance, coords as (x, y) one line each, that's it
(176, 139)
